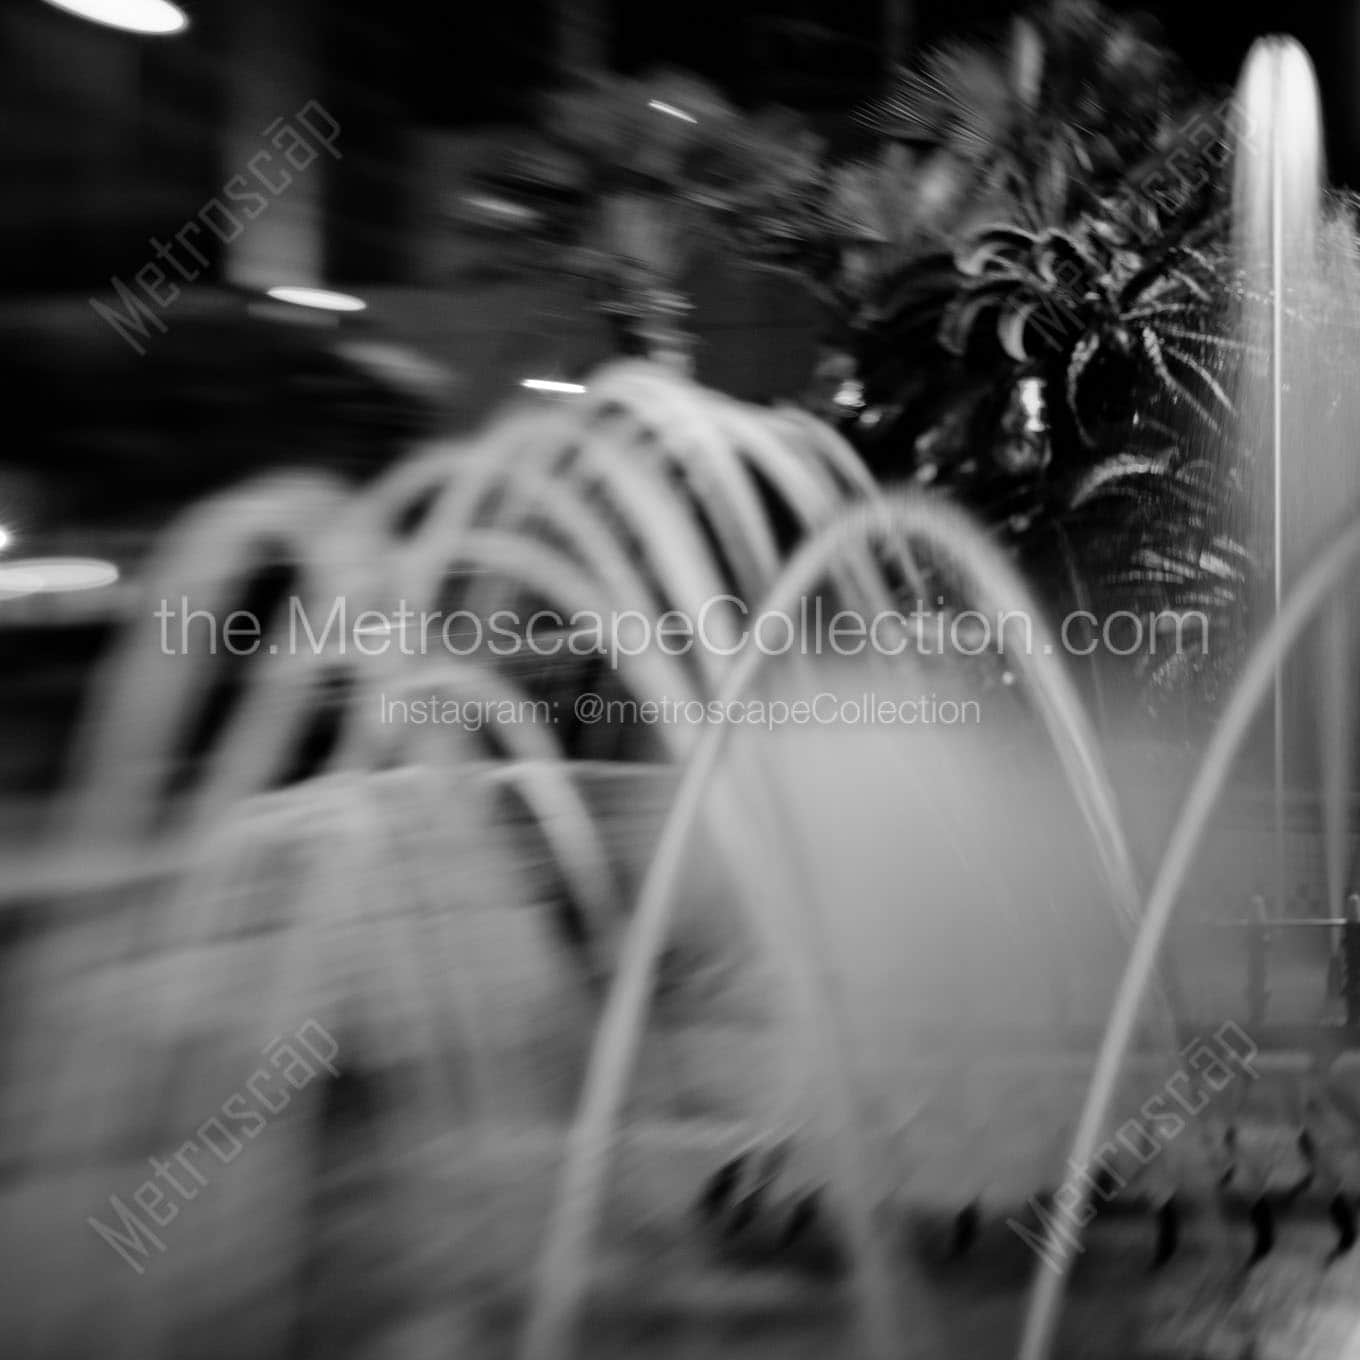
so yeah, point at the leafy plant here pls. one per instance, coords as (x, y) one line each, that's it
(1134, 314)
(1036, 128)
(1154, 537)
(1052, 343)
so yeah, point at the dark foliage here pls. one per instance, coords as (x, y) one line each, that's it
(1055, 347)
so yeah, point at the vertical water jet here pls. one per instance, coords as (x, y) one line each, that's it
(1276, 207)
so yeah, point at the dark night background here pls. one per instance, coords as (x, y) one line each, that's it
(104, 134)
(110, 139)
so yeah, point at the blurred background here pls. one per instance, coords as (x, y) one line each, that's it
(115, 144)
(112, 139)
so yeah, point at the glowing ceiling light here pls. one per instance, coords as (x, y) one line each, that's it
(6, 538)
(322, 298)
(671, 111)
(158, 17)
(53, 575)
(552, 385)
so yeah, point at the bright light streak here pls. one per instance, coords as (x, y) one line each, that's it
(322, 298)
(671, 111)
(157, 17)
(6, 538)
(54, 575)
(500, 207)
(552, 385)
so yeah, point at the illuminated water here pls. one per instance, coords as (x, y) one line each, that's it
(889, 877)
(924, 899)
(1300, 415)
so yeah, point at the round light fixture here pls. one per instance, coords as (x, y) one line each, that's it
(157, 17)
(322, 298)
(52, 575)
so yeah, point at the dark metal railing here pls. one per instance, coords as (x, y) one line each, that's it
(1343, 955)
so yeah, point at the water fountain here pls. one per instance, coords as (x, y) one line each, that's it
(586, 512)
(576, 510)
(389, 869)
(1298, 300)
